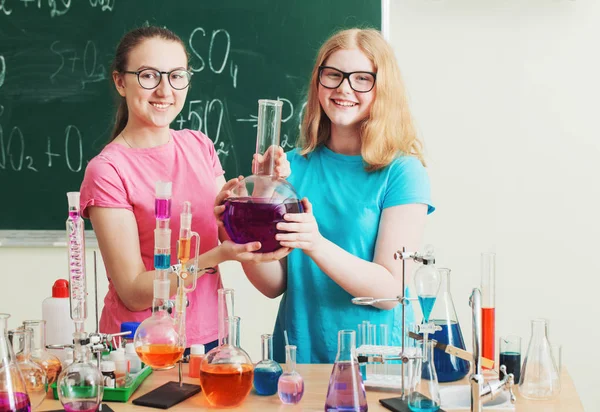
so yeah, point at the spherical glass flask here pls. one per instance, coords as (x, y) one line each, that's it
(80, 385)
(267, 371)
(51, 364)
(157, 342)
(33, 374)
(257, 204)
(226, 373)
(259, 201)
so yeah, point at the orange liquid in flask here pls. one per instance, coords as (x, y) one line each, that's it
(226, 385)
(160, 355)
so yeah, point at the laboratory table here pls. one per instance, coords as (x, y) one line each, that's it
(316, 379)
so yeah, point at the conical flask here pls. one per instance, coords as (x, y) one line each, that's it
(259, 201)
(346, 390)
(33, 374)
(424, 393)
(13, 392)
(539, 373)
(449, 368)
(226, 372)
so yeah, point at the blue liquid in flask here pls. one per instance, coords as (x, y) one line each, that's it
(427, 303)
(423, 404)
(266, 379)
(449, 368)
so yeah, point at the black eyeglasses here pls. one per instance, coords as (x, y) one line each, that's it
(332, 78)
(150, 78)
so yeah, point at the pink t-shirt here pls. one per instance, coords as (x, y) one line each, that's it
(123, 177)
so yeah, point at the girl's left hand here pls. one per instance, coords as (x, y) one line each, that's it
(282, 165)
(304, 231)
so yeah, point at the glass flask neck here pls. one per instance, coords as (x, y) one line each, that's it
(290, 358)
(233, 327)
(539, 329)
(267, 135)
(38, 338)
(80, 352)
(225, 309)
(346, 346)
(21, 342)
(267, 347)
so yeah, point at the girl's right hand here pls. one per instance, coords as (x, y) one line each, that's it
(226, 192)
(247, 252)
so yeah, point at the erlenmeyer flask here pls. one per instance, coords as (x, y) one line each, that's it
(226, 372)
(80, 385)
(33, 374)
(259, 201)
(539, 373)
(448, 367)
(346, 391)
(39, 353)
(13, 392)
(267, 371)
(424, 393)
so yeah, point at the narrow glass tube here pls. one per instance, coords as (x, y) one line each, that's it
(488, 305)
(267, 135)
(76, 256)
(185, 234)
(162, 202)
(224, 310)
(162, 249)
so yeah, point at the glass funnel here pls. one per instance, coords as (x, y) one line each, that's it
(33, 374)
(80, 385)
(449, 368)
(539, 374)
(39, 354)
(427, 284)
(226, 373)
(424, 387)
(267, 371)
(346, 391)
(13, 392)
(259, 201)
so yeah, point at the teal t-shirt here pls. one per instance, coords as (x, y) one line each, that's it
(347, 204)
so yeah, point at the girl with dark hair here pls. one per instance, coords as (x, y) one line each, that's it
(151, 75)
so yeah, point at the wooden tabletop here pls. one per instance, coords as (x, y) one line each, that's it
(316, 379)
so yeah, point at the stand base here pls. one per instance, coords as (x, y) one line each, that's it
(105, 408)
(398, 405)
(167, 395)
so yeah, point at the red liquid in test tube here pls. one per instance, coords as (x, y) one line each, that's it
(488, 305)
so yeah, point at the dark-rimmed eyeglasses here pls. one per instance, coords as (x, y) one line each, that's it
(149, 79)
(332, 78)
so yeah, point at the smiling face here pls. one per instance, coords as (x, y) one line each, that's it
(345, 107)
(156, 107)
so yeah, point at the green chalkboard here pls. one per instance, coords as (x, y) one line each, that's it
(57, 99)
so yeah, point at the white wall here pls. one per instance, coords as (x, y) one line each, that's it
(505, 95)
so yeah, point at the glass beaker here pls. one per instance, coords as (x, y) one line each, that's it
(13, 392)
(259, 201)
(267, 371)
(449, 368)
(226, 373)
(510, 355)
(424, 392)
(539, 373)
(80, 385)
(346, 391)
(290, 387)
(51, 364)
(33, 374)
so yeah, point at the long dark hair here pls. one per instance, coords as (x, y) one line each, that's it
(129, 41)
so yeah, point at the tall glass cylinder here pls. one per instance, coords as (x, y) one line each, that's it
(76, 252)
(13, 392)
(488, 305)
(267, 135)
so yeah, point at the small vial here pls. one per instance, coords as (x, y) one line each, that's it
(108, 373)
(121, 367)
(196, 356)
(135, 363)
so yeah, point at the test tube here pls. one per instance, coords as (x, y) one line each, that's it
(488, 305)
(383, 341)
(373, 341)
(361, 341)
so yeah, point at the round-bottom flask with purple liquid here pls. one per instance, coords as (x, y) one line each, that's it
(290, 386)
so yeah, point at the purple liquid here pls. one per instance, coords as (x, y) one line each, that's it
(81, 406)
(254, 219)
(162, 208)
(346, 389)
(290, 388)
(14, 402)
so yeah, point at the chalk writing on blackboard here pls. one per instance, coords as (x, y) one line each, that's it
(2, 70)
(57, 7)
(220, 43)
(70, 62)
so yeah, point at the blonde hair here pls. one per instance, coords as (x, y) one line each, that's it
(388, 131)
